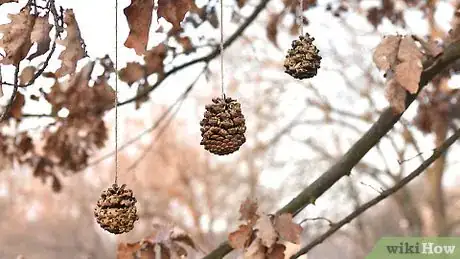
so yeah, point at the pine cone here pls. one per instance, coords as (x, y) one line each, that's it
(116, 210)
(302, 60)
(223, 127)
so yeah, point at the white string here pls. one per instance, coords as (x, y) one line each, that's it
(300, 16)
(222, 49)
(116, 91)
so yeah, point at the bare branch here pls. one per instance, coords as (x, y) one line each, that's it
(438, 152)
(13, 95)
(258, 9)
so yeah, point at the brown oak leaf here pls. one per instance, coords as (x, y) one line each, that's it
(132, 73)
(139, 16)
(255, 251)
(272, 27)
(408, 50)
(126, 250)
(16, 106)
(142, 90)
(287, 229)
(173, 11)
(239, 239)
(8, 1)
(248, 211)
(266, 232)
(27, 75)
(241, 3)
(386, 52)
(16, 37)
(104, 95)
(41, 35)
(186, 44)
(73, 51)
(276, 252)
(396, 95)
(56, 184)
(407, 74)
(154, 60)
(294, 29)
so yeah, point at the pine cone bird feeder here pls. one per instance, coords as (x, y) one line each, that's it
(223, 126)
(302, 60)
(116, 210)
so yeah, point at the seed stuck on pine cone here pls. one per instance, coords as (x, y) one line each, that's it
(302, 60)
(116, 210)
(223, 126)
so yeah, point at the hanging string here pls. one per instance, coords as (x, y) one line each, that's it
(222, 49)
(300, 16)
(116, 92)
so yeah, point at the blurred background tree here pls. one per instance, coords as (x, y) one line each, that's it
(58, 140)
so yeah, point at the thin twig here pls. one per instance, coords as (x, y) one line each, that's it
(316, 219)
(143, 133)
(13, 95)
(165, 126)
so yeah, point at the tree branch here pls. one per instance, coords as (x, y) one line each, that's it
(438, 152)
(343, 167)
(13, 95)
(261, 6)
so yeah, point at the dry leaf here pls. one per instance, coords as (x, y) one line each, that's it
(287, 229)
(396, 95)
(266, 232)
(154, 60)
(408, 50)
(276, 252)
(147, 251)
(241, 3)
(184, 238)
(73, 46)
(132, 73)
(186, 44)
(255, 250)
(41, 35)
(407, 74)
(126, 250)
(385, 53)
(8, 1)
(142, 89)
(56, 184)
(272, 27)
(27, 74)
(16, 37)
(139, 16)
(433, 48)
(178, 250)
(103, 95)
(173, 11)
(239, 238)
(17, 105)
(165, 253)
(248, 211)
(294, 30)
